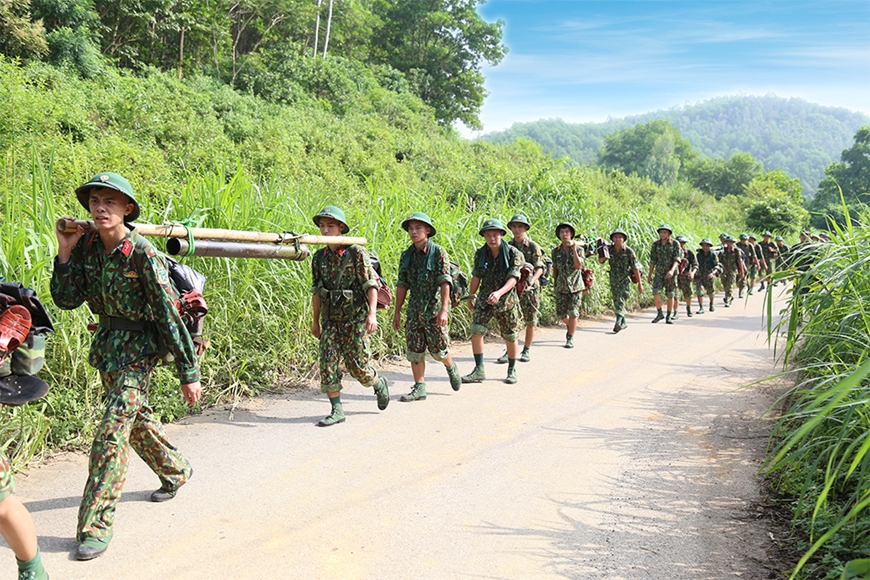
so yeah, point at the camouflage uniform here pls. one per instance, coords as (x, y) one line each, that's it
(493, 273)
(730, 261)
(530, 299)
(347, 268)
(782, 255)
(663, 257)
(130, 285)
(621, 265)
(683, 280)
(567, 282)
(707, 264)
(770, 253)
(423, 272)
(749, 262)
(7, 486)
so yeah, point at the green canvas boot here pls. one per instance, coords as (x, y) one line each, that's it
(336, 416)
(674, 315)
(32, 569)
(659, 316)
(455, 379)
(525, 356)
(476, 376)
(418, 393)
(502, 360)
(700, 309)
(511, 377)
(383, 393)
(689, 311)
(712, 308)
(569, 341)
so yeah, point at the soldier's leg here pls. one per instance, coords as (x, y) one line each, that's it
(727, 283)
(438, 344)
(571, 310)
(510, 321)
(358, 362)
(657, 289)
(330, 372)
(16, 525)
(150, 442)
(109, 456)
(479, 319)
(530, 305)
(415, 341)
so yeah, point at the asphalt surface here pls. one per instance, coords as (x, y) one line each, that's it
(630, 456)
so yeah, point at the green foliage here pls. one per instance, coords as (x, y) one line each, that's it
(20, 35)
(774, 203)
(654, 150)
(799, 137)
(720, 178)
(851, 176)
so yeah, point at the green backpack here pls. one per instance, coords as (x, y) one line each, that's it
(458, 285)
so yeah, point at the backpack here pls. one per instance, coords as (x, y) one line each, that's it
(385, 296)
(544, 280)
(458, 285)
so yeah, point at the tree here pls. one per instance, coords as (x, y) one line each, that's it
(774, 203)
(655, 150)
(441, 46)
(851, 175)
(720, 178)
(19, 35)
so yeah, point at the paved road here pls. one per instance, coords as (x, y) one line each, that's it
(630, 456)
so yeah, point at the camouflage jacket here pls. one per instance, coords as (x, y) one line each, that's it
(566, 278)
(346, 268)
(692, 266)
(748, 252)
(707, 263)
(494, 271)
(662, 256)
(621, 264)
(114, 286)
(768, 250)
(422, 272)
(731, 260)
(534, 256)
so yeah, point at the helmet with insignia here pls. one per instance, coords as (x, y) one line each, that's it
(779, 238)
(744, 236)
(566, 225)
(665, 227)
(706, 242)
(335, 213)
(728, 238)
(519, 219)
(767, 233)
(108, 180)
(619, 231)
(418, 216)
(490, 224)
(752, 237)
(682, 239)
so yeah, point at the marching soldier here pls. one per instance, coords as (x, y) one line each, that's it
(424, 271)
(732, 268)
(664, 259)
(769, 254)
(708, 269)
(528, 287)
(568, 283)
(623, 262)
(782, 254)
(344, 304)
(497, 267)
(687, 275)
(124, 281)
(750, 263)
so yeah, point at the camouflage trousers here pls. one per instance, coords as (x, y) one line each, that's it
(620, 290)
(568, 304)
(530, 305)
(127, 422)
(704, 287)
(347, 341)
(685, 286)
(660, 285)
(728, 279)
(508, 317)
(7, 487)
(423, 335)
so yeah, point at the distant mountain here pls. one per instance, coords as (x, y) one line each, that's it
(794, 135)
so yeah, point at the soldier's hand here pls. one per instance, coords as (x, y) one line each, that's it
(441, 318)
(640, 287)
(371, 323)
(471, 300)
(315, 329)
(493, 298)
(397, 320)
(670, 274)
(710, 276)
(67, 241)
(192, 392)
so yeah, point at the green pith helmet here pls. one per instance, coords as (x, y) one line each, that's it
(619, 231)
(752, 237)
(110, 181)
(335, 213)
(520, 219)
(564, 225)
(492, 224)
(418, 216)
(706, 241)
(665, 227)
(767, 233)
(805, 233)
(682, 239)
(779, 239)
(723, 235)
(744, 236)
(728, 239)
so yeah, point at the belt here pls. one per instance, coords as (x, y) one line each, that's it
(115, 323)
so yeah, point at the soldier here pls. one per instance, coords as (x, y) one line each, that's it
(688, 270)
(732, 268)
(782, 254)
(750, 263)
(126, 282)
(769, 253)
(344, 299)
(708, 269)
(528, 287)
(567, 279)
(664, 260)
(623, 261)
(424, 271)
(496, 271)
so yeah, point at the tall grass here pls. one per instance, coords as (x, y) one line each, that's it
(822, 459)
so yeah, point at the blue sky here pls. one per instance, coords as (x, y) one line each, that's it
(586, 61)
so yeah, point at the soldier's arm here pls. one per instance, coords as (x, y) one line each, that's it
(316, 285)
(538, 265)
(68, 284)
(472, 291)
(401, 292)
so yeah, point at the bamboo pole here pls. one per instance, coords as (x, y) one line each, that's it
(179, 231)
(216, 249)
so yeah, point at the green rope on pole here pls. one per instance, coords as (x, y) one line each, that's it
(187, 224)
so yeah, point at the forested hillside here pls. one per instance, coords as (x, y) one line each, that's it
(799, 137)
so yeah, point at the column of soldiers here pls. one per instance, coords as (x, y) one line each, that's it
(125, 281)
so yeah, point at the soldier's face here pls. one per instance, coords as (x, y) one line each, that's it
(418, 231)
(706, 248)
(493, 238)
(518, 230)
(108, 207)
(618, 240)
(664, 235)
(565, 234)
(329, 226)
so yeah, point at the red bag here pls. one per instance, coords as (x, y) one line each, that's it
(588, 277)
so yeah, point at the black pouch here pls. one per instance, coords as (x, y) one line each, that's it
(337, 305)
